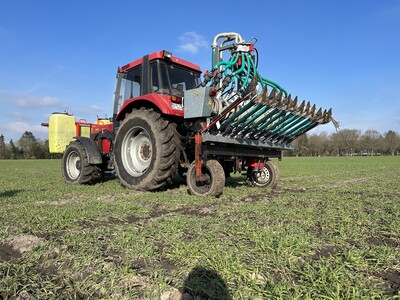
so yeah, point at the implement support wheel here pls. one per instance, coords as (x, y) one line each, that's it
(213, 179)
(267, 177)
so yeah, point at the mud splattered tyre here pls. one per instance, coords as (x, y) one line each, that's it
(268, 177)
(214, 182)
(75, 166)
(146, 150)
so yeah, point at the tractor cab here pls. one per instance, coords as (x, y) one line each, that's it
(157, 80)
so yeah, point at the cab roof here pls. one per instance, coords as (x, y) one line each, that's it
(164, 55)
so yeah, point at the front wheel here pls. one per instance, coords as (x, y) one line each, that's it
(75, 165)
(267, 177)
(213, 179)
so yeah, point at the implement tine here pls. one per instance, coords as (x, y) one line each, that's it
(271, 97)
(318, 115)
(290, 103)
(289, 100)
(302, 105)
(293, 103)
(328, 116)
(323, 114)
(307, 109)
(279, 99)
(286, 102)
(262, 97)
(313, 108)
(251, 89)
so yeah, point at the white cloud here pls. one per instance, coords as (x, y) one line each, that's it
(89, 111)
(14, 130)
(29, 101)
(95, 107)
(22, 116)
(24, 100)
(192, 42)
(21, 112)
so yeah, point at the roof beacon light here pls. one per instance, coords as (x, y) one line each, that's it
(167, 55)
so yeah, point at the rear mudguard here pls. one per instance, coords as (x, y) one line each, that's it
(92, 151)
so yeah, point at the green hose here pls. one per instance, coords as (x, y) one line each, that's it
(232, 61)
(241, 67)
(248, 62)
(246, 70)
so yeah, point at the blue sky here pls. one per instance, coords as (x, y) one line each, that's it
(63, 55)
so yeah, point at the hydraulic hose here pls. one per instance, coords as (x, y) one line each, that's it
(246, 71)
(241, 67)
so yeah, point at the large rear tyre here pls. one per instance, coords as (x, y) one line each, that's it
(146, 150)
(267, 177)
(214, 179)
(75, 165)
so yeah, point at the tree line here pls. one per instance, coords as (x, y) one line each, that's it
(27, 147)
(346, 142)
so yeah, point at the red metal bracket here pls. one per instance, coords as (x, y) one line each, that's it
(198, 140)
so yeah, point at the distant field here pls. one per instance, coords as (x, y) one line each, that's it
(330, 231)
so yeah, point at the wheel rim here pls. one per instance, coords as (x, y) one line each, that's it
(73, 165)
(136, 151)
(202, 187)
(263, 177)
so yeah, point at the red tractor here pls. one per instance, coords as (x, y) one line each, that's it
(167, 120)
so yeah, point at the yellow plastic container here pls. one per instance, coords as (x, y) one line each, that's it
(102, 122)
(85, 130)
(61, 132)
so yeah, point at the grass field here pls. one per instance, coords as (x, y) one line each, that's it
(331, 230)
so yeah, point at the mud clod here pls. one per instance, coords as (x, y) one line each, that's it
(8, 253)
(15, 246)
(382, 240)
(392, 279)
(325, 252)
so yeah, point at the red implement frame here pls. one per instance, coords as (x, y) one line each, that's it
(198, 162)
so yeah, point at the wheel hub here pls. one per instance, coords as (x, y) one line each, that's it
(73, 165)
(263, 176)
(145, 151)
(137, 151)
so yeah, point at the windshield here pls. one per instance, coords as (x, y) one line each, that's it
(169, 79)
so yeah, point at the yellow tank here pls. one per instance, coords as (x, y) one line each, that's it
(61, 131)
(85, 130)
(102, 121)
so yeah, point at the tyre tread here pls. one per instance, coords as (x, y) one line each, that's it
(165, 132)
